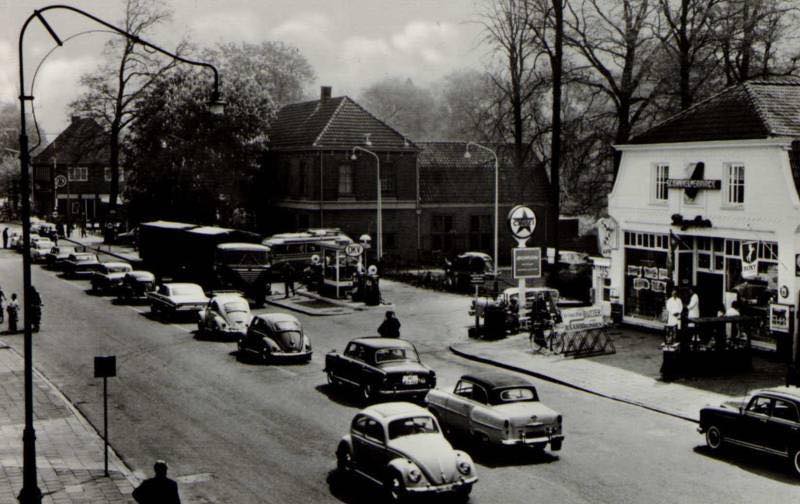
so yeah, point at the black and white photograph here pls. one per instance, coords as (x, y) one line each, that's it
(399, 251)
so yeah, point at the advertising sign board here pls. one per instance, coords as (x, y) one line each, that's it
(527, 262)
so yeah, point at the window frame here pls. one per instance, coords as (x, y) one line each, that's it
(73, 173)
(739, 183)
(345, 173)
(658, 185)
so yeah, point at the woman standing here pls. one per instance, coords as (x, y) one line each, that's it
(13, 313)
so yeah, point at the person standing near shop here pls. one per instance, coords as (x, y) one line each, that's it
(674, 309)
(13, 313)
(5, 238)
(694, 305)
(390, 327)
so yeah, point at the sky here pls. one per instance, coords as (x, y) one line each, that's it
(349, 43)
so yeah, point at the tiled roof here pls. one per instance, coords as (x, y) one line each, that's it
(84, 141)
(445, 176)
(334, 123)
(758, 108)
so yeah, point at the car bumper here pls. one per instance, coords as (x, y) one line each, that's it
(291, 355)
(445, 488)
(529, 441)
(189, 307)
(403, 392)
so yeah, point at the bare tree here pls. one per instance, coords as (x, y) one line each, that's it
(469, 105)
(128, 69)
(617, 42)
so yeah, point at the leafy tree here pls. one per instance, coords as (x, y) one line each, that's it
(404, 106)
(469, 107)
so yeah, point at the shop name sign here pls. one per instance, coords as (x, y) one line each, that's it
(693, 184)
(527, 262)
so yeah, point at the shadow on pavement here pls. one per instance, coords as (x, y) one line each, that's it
(501, 456)
(341, 395)
(215, 336)
(354, 489)
(760, 464)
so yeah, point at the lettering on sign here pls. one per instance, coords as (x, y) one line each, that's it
(641, 283)
(749, 259)
(527, 262)
(779, 316)
(589, 317)
(693, 184)
(521, 222)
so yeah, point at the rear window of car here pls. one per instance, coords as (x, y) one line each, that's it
(422, 424)
(287, 325)
(395, 354)
(185, 290)
(117, 269)
(236, 306)
(516, 394)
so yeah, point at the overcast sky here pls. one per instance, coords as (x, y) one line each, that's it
(350, 43)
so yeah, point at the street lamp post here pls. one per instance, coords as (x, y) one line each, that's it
(30, 492)
(467, 155)
(379, 249)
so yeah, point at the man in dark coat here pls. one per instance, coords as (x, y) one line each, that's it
(158, 489)
(390, 328)
(288, 278)
(5, 238)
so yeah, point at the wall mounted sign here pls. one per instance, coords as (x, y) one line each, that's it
(607, 236)
(693, 184)
(697, 222)
(521, 222)
(749, 259)
(527, 262)
(784, 291)
(779, 317)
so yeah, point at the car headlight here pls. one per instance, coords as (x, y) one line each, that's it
(464, 467)
(414, 475)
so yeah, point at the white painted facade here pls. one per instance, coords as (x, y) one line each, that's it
(769, 213)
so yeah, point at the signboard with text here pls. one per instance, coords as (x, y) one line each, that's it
(693, 184)
(749, 259)
(527, 262)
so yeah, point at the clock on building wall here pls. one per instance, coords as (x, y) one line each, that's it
(797, 265)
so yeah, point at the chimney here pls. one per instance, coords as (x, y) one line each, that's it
(325, 93)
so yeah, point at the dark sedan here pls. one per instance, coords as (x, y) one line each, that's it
(767, 421)
(275, 336)
(380, 368)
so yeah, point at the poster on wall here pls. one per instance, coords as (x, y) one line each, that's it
(749, 259)
(663, 274)
(658, 286)
(634, 271)
(779, 317)
(641, 284)
(651, 273)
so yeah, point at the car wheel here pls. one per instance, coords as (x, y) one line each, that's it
(395, 488)
(344, 460)
(154, 309)
(714, 438)
(796, 461)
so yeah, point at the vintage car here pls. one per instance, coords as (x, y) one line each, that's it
(380, 367)
(14, 239)
(495, 408)
(459, 270)
(275, 336)
(768, 421)
(135, 285)
(57, 255)
(19, 244)
(400, 446)
(40, 249)
(80, 264)
(108, 276)
(507, 295)
(169, 299)
(46, 229)
(226, 314)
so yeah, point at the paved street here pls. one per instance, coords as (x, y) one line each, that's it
(240, 433)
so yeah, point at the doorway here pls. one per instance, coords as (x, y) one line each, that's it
(709, 289)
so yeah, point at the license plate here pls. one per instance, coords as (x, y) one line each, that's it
(410, 379)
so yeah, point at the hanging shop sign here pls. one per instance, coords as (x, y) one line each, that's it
(641, 284)
(658, 286)
(607, 236)
(634, 271)
(749, 259)
(522, 223)
(651, 272)
(779, 317)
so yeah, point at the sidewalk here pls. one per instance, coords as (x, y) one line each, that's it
(69, 452)
(631, 375)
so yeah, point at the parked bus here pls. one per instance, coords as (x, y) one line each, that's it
(298, 248)
(244, 266)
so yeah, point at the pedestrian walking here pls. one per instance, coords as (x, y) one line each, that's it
(5, 238)
(83, 229)
(674, 308)
(694, 305)
(288, 279)
(159, 489)
(13, 313)
(390, 327)
(36, 309)
(2, 309)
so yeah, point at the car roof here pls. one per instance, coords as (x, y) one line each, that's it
(398, 409)
(182, 284)
(482, 255)
(111, 264)
(222, 298)
(278, 317)
(140, 274)
(379, 342)
(243, 246)
(497, 379)
(790, 392)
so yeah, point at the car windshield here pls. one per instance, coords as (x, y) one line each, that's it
(396, 354)
(187, 290)
(117, 269)
(287, 325)
(236, 306)
(85, 257)
(422, 424)
(516, 394)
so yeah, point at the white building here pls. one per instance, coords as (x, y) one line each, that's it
(706, 194)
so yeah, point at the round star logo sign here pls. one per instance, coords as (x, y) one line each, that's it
(521, 222)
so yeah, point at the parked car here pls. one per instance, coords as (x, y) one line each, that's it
(400, 445)
(136, 285)
(275, 336)
(14, 239)
(768, 421)
(496, 408)
(507, 295)
(40, 249)
(226, 314)
(80, 264)
(57, 255)
(379, 368)
(459, 270)
(46, 229)
(171, 298)
(108, 276)
(19, 244)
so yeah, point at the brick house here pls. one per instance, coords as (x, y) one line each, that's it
(78, 158)
(435, 203)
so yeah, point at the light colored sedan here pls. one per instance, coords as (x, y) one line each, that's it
(496, 408)
(400, 446)
(225, 315)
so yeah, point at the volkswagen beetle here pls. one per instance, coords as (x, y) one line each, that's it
(226, 315)
(273, 336)
(400, 446)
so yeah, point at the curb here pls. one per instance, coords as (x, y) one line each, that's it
(307, 311)
(113, 457)
(551, 379)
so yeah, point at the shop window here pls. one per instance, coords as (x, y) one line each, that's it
(704, 261)
(660, 175)
(78, 173)
(768, 251)
(734, 184)
(719, 262)
(345, 180)
(719, 244)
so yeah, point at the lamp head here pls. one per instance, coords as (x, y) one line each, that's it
(467, 155)
(216, 105)
(367, 141)
(353, 156)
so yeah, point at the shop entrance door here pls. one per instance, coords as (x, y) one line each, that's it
(709, 289)
(685, 268)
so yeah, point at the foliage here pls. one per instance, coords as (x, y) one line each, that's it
(399, 102)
